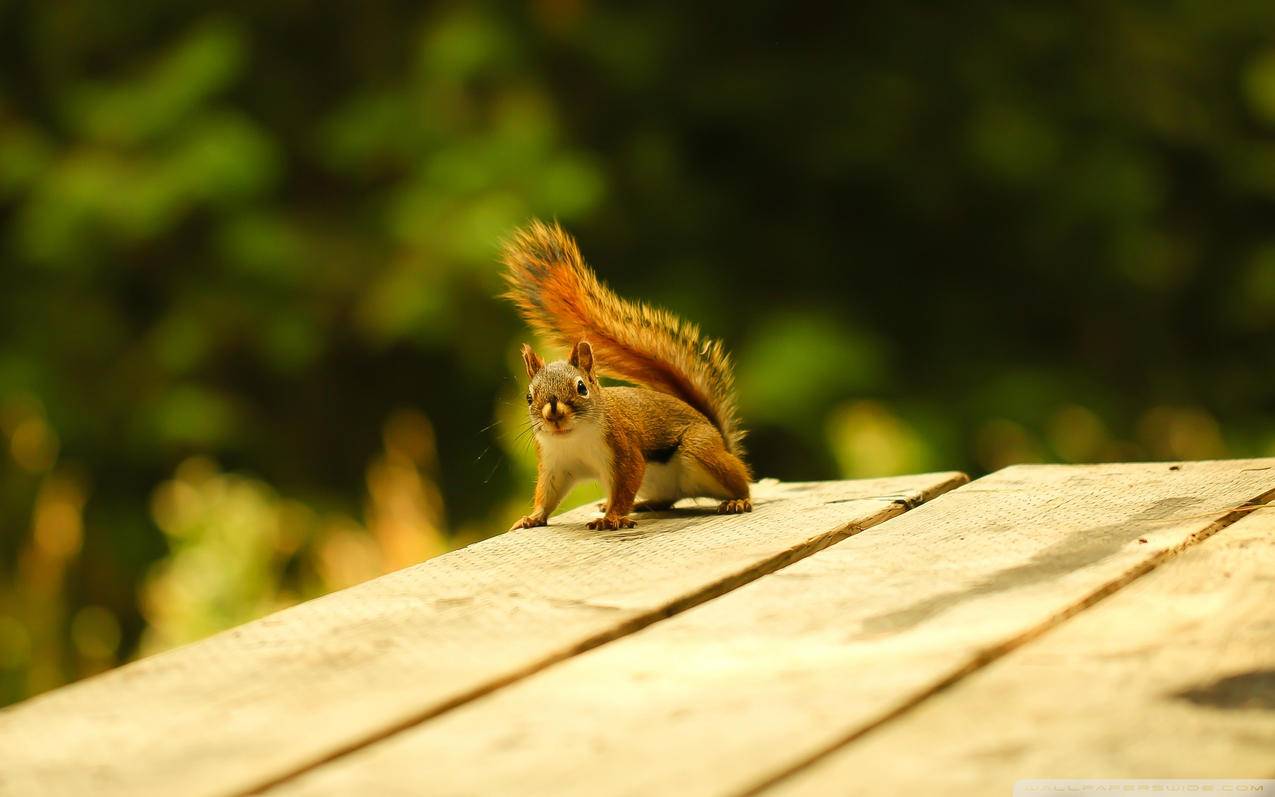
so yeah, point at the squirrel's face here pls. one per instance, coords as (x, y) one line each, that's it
(562, 394)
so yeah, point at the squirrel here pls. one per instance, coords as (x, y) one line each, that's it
(675, 435)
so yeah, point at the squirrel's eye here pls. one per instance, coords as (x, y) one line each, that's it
(529, 398)
(580, 388)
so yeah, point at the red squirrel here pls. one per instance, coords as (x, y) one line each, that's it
(674, 436)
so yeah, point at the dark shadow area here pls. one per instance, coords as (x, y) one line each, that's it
(1254, 690)
(1076, 551)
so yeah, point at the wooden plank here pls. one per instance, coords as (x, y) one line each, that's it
(734, 693)
(1172, 677)
(249, 706)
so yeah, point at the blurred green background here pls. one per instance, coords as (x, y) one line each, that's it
(249, 350)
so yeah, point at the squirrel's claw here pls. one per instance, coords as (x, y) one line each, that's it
(734, 506)
(529, 521)
(610, 523)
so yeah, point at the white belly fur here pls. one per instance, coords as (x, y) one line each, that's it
(681, 477)
(582, 454)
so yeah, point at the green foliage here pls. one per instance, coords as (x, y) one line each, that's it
(249, 345)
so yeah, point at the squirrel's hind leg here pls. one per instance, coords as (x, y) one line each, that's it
(714, 471)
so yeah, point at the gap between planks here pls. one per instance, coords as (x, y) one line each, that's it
(897, 506)
(733, 694)
(255, 706)
(1171, 677)
(990, 654)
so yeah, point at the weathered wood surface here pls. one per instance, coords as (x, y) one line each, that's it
(249, 706)
(732, 695)
(1172, 677)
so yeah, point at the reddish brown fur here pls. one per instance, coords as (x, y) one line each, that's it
(688, 407)
(627, 469)
(640, 420)
(561, 298)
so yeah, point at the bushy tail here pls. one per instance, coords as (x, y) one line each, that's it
(562, 299)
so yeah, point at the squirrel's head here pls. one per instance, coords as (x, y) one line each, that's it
(563, 394)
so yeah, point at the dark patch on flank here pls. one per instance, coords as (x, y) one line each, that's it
(661, 456)
(1246, 690)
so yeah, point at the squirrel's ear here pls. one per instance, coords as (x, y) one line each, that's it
(582, 356)
(533, 361)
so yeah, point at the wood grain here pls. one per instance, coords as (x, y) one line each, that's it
(250, 706)
(732, 694)
(1172, 677)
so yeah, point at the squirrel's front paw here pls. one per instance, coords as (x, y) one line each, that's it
(734, 506)
(610, 523)
(530, 521)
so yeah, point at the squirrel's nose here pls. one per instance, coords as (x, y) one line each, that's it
(550, 409)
